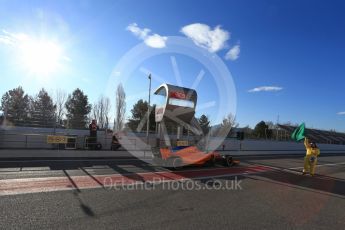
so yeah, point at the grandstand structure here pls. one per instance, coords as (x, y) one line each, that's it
(318, 136)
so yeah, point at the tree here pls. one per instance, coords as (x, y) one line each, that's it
(2, 119)
(139, 117)
(272, 129)
(229, 121)
(43, 111)
(247, 131)
(78, 107)
(59, 101)
(101, 110)
(270, 124)
(262, 130)
(120, 108)
(204, 124)
(15, 106)
(225, 128)
(95, 113)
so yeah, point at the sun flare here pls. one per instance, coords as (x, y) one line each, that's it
(40, 57)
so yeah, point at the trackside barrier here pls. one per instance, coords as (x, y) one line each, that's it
(258, 147)
(14, 139)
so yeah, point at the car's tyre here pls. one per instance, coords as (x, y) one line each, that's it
(229, 161)
(174, 163)
(178, 163)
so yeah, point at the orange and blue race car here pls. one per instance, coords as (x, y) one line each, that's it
(191, 155)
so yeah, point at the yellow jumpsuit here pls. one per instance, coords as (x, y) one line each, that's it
(311, 153)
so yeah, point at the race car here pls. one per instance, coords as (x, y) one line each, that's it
(190, 155)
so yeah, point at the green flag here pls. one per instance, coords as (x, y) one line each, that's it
(298, 134)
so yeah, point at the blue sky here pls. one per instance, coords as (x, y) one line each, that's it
(286, 58)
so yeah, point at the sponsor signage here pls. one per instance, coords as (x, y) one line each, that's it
(51, 139)
(178, 95)
(182, 143)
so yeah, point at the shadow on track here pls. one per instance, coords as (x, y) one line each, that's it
(86, 209)
(279, 175)
(294, 178)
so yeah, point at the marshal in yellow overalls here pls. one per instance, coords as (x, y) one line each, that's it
(310, 159)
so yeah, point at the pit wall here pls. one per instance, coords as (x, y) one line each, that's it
(36, 138)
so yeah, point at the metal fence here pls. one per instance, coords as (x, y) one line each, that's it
(39, 141)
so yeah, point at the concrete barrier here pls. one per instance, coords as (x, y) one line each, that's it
(36, 138)
(259, 147)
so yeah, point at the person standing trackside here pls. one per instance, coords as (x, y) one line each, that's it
(310, 159)
(93, 134)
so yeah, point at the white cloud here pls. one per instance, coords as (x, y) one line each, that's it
(265, 89)
(153, 40)
(140, 33)
(233, 53)
(202, 35)
(341, 113)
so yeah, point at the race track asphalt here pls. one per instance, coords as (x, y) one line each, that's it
(263, 192)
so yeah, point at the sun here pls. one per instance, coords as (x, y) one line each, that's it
(40, 57)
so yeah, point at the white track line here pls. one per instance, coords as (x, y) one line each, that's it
(330, 164)
(292, 170)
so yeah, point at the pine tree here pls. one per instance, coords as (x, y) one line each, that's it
(139, 113)
(15, 106)
(78, 107)
(43, 114)
(204, 123)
